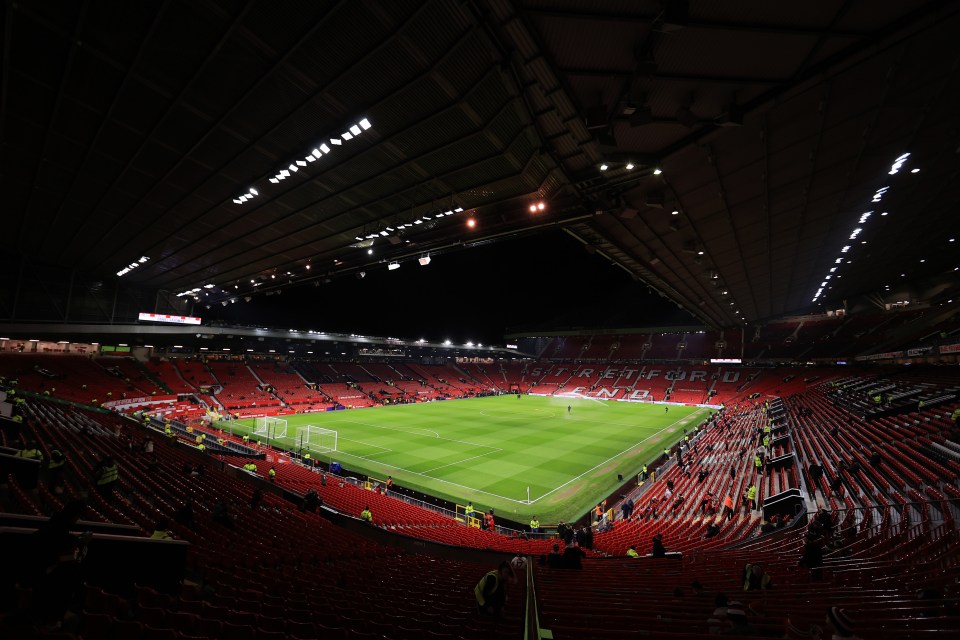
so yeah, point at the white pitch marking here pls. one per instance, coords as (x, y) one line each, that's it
(464, 460)
(612, 457)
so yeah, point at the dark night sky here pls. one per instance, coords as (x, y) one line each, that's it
(547, 281)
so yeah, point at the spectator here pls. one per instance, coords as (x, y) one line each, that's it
(555, 558)
(728, 507)
(58, 574)
(184, 515)
(755, 578)
(55, 468)
(572, 557)
(632, 552)
(739, 625)
(718, 622)
(106, 474)
(658, 551)
(812, 557)
(161, 530)
(491, 591)
(366, 515)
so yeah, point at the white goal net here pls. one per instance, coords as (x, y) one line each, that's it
(317, 439)
(270, 428)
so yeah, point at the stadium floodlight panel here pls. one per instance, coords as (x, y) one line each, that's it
(358, 238)
(336, 141)
(384, 233)
(316, 153)
(393, 266)
(284, 173)
(424, 261)
(418, 222)
(390, 229)
(458, 209)
(355, 130)
(324, 148)
(310, 158)
(209, 286)
(346, 135)
(365, 124)
(274, 180)
(301, 163)
(446, 343)
(235, 201)
(254, 191)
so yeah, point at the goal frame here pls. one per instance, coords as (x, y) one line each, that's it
(312, 446)
(270, 427)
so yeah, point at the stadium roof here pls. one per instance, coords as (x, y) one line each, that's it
(253, 145)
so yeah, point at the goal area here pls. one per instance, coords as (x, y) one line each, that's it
(270, 428)
(317, 439)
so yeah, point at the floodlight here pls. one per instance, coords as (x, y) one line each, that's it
(604, 167)
(274, 180)
(390, 229)
(458, 209)
(336, 141)
(533, 208)
(629, 166)
(254, 191)
(284, 173)
(355, 130)
(657, 171)
(384, 233)
(301, 163)
(365, 124)
(237, 201)
(324, 148)
(316, 153)
(424, 261)
(541, 206)
(310, 158)
(471, 223)
(359, 239)
(418, 222)
(393, 266)
(346, 135)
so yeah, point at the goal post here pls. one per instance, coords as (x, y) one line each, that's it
(270, 428)
(317, 439)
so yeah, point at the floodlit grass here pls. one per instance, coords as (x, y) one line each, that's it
(490, 450)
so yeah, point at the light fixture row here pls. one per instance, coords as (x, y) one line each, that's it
(315, 154)
(860, 226)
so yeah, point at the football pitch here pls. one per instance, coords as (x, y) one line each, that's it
(491, 450)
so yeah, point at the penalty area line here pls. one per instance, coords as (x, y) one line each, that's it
(615, 456)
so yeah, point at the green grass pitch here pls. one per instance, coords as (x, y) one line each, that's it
(489, 450)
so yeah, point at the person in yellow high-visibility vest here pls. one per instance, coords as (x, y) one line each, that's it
(366, 515)
(751, 498)
(534, 525)
(272, 474)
